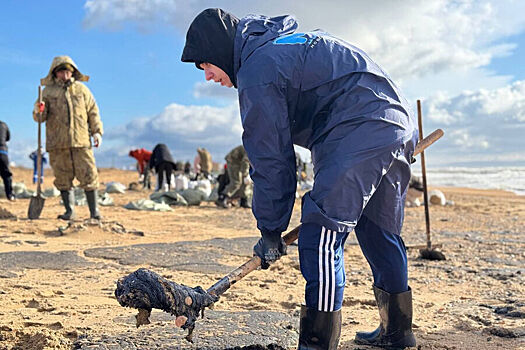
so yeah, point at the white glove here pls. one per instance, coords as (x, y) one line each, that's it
(247, 180)
(97, 139)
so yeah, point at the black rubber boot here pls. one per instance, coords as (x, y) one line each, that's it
(245, 203)
(68, 198)
(92, 199)
(319, 330)
(395, 328)
(222, 201)
(8, 186)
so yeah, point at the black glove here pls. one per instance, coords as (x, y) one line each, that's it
(269, 248)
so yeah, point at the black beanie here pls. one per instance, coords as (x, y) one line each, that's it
(210, 39)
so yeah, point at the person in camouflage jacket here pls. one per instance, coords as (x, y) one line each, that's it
(72, 118)
(238, 168)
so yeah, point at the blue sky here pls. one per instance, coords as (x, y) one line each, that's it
(464, 59)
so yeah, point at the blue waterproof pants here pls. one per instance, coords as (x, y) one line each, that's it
(35, 172)
(322, 262)
(370, 198)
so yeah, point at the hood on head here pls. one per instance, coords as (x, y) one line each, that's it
(210, 39)
(256, 30)
(60, 60)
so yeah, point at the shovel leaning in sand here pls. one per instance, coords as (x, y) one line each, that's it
(428, 253)
(37, 201)
(145, 290)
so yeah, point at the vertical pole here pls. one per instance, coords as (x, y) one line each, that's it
(424, 173)
(39, 151)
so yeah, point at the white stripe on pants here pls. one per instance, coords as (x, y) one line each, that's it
(326, 270)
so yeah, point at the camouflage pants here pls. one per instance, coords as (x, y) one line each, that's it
(71, 163)
(236, 186)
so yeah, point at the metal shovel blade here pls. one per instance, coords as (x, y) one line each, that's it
(35, 207)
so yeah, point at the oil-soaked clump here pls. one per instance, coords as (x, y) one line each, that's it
(258, 347)
(145, 290)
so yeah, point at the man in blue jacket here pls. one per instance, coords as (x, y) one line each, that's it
(317, 91)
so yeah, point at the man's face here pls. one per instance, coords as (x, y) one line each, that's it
(64, 75)
(212, 72)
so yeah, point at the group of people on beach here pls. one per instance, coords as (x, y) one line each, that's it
(310, 89)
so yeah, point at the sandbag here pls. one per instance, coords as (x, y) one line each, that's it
(170, 198)
(19, 190)
(437, 197)
(51, 192)
(115, 187)
(181, 183)
(194, 196)
(147, 204)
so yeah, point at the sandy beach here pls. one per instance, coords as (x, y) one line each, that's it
(57, 283)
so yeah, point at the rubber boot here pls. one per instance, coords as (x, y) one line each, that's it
(92, 199)
(68, 198)
(319, 330)
(395, 328)
(8, 186)
(222, 201)
(245, 203)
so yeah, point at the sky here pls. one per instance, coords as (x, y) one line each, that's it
(464, 59)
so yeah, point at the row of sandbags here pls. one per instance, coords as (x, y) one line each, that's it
(162, 201)
(20, 190)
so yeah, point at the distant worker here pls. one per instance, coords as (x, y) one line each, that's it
(164, 165)
(142, 156)
(6, 174)
(34, 157)
(187, 167)
(238, 167)
(72, 117)
(205, 163)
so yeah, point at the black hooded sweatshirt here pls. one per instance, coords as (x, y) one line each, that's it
(160, 154)
(210, 39)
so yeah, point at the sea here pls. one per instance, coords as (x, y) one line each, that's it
(499, 178)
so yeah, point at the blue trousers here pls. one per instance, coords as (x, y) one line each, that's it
(322, 261)
(35, 174)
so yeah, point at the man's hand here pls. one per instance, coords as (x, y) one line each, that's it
(269, 248)
(97, 139)
(39, 108)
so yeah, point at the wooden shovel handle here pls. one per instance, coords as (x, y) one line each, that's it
(227, 281)
(39, 152)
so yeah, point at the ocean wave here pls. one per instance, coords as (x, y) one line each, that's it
(499, 178)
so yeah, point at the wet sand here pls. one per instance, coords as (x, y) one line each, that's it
(57, 284)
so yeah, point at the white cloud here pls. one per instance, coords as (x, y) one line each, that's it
(113, 14)
(409, 38)
(439, 51)
(183, 129)
(213, 90)
(479, 125)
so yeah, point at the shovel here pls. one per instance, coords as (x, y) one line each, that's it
(37, 201)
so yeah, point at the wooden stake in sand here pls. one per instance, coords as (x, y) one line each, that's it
(427, 253)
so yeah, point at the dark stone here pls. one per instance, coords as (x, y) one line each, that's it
(7, 274)
(64, 260)
(193, 256)
(506, 332)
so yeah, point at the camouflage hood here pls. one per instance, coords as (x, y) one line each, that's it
(57, 61)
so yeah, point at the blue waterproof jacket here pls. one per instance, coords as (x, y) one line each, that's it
(322, 93)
